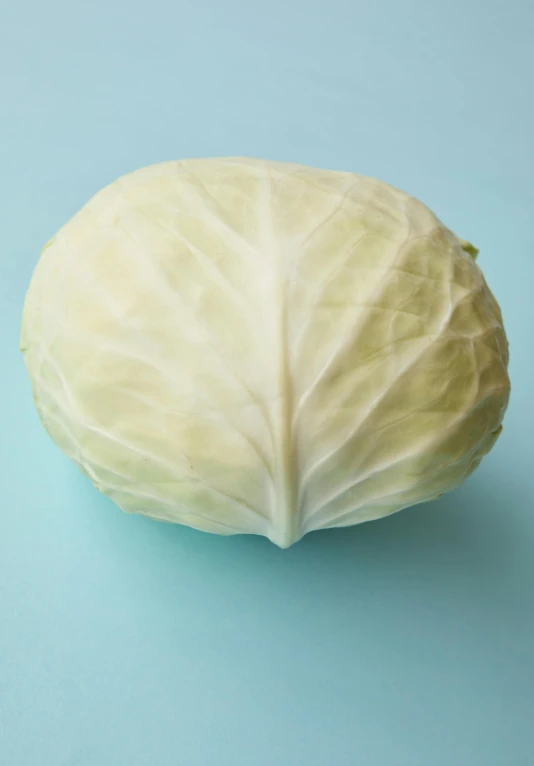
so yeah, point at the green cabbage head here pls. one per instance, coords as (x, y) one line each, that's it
(247, 346)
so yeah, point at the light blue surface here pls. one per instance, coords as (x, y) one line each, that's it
(404, 642)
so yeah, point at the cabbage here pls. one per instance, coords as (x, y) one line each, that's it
(247, 346)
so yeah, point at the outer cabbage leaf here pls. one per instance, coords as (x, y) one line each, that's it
(250, 346)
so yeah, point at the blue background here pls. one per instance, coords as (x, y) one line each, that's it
(403, 642)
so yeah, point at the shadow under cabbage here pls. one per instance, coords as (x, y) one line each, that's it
(468, 529)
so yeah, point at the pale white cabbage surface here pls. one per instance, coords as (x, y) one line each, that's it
(250, 346)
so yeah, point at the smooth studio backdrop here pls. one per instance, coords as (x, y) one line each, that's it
(403, 642)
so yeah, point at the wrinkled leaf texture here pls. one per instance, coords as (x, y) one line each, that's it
(250, 346)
